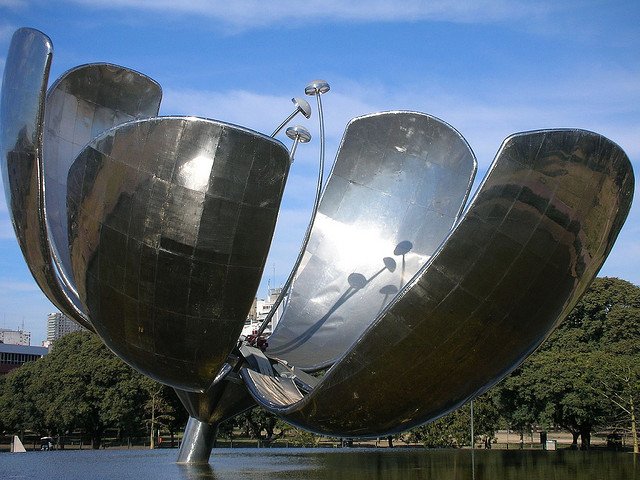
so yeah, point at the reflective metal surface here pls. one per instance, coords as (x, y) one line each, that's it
(170, 222)
(22, 103)
(530, 243)
(81, 104)
(398, 184)
(197, 442)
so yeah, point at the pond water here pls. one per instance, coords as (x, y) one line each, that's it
(308, 464)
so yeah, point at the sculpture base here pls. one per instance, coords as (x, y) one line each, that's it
(197, 442)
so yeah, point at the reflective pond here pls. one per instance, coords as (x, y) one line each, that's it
(307, 464)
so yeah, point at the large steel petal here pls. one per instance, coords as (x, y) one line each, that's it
(530, 243)
(399, 182)
(170, 222)
(80, 105)
(22, 104)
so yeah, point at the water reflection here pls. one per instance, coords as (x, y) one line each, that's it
(197, 472)
(311, 464)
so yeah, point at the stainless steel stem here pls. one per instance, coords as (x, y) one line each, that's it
(284, 122)
(307, 234)
(197, 442)
(293, 147)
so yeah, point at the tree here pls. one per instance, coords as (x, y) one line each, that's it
(80, 384)
(569, 382)
(163, 410)
(454, 429)
(94, 389)
(20, 408)
(258, 420)
(607, 318)
(619, 383)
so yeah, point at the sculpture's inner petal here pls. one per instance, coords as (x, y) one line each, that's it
(80, 105)
(399, 182)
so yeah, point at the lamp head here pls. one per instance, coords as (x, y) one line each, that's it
(317, 87)
(299, 133)
(302, 105)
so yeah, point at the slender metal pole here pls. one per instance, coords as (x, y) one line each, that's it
(298, 134)
(302, 106)
(473, 451)
(284, 122)
(293, 152)
(318, 93)
(472, 434)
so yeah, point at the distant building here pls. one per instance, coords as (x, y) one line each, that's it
(13, 356)
(259, 311)
(59, 325)
(15, 337)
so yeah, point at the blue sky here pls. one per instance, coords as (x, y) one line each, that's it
(489, 68)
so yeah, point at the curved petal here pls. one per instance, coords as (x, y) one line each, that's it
(170, 221)
(21, 122)
(81, 104)
(399, 182)
(530, 243)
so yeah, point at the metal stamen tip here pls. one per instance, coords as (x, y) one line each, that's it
(302, 105)
(300, 133)
(317, 87)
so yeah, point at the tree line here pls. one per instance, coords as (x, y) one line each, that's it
(82, 386)
(585, 378)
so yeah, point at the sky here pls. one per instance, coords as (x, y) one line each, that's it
(490, 68)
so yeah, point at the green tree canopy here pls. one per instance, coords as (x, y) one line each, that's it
(571, 380)
(80, 384)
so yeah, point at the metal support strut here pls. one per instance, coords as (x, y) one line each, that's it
(197, 442)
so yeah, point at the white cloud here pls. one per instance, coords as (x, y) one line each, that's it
(6, 30)
(257, 13)
(6, 229)
(484, 120)
(13, 286)
(12, 3)
(253, 110)
(263, 112)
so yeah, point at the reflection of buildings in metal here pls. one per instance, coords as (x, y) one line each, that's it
(159, 229)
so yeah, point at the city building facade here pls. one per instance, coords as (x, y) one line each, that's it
(15, 337)
(59, 325)
(13, 356)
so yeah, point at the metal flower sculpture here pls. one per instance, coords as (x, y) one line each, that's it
(153, 232)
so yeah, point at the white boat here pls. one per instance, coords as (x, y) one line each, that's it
(17, 446)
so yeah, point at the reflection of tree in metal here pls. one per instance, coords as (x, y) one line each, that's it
(153, 232)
